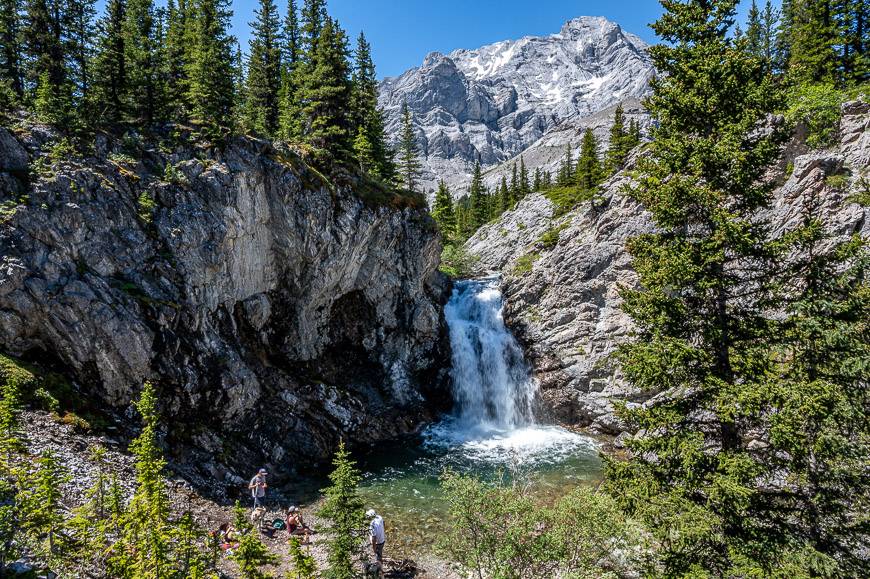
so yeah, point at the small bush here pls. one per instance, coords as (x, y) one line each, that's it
(147, 206)
(61, 151)
(550, 238)
(840, 181)
(567, 198)
(524, 264)
(172, 175)
(76, 421)
(457, 262)
(818, 107)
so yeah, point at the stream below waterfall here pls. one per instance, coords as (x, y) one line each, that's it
(492, 431)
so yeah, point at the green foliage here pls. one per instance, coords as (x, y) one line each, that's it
(146, 206)
(263, 81)
(524, 263)
(550, 238)
(457, 262)
(304, 565)
(343, 508)
(567, 198)
(409, 161)
(40, 507)
(16, 379)
(251, 555)
(442, 212)
(498, 531)
(816, 106)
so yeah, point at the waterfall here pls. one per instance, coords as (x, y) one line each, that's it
(493, 388)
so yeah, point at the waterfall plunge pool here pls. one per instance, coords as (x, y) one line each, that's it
(492, 432)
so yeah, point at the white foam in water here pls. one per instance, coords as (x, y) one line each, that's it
(493, 420)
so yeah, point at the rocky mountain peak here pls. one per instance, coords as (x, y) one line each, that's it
(493, 103)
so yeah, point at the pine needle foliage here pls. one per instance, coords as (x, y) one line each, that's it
(343, 508)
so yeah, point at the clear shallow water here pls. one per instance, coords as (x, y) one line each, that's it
(492, 432)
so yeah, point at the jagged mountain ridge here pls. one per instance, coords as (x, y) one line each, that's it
(495, 102)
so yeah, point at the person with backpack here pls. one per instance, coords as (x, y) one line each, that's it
(258, 487)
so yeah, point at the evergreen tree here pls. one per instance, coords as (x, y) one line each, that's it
(41, 506)
(442, 211)
(812, 41)
(78, 25)
(325, 92)
(373, 153)
(110, 65)
(702, 311)
(634, 136)
(565, 175)
(177, 56)
(304, 565)
(589, 171)
(754, 34)
(140, 54)
(477, 196)
(143, 550)
(11, 70)
(524, 187)
(292, 47)
(409, 162)
(251, 555)
(343, 508)
(504, 194)
(620, 143)
(289, 111)
(46, 70)
(537, 183)
(314, 17)
(514, 187)
(212, 94)
(263, 83)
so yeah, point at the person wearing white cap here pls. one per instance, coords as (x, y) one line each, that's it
(378, 536)
(258, 486)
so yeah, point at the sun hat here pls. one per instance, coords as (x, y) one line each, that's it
(370, 513)
(262, 471)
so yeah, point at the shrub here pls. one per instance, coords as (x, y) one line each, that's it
(567, 198)
(817, 106)
(524, 263)
(457, 262)
(498, 531)
(146, 206)
(550, 238)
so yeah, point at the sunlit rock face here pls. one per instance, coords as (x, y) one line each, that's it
(495, 102)
(276, 312)
(562, 298)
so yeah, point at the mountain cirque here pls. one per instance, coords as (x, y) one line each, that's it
(562, 300)
(495, 102)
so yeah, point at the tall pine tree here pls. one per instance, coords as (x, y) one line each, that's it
(11, 70)
(367, 119)
(409, 160)
(589, 172)
(442, 211)
(263, 83)
(701, 311)
(212, 92)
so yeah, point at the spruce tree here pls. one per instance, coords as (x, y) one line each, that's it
(477, 197)
(314, 17)
(409, 161)
(110, 65)
(537, 182)
(374, 155)
(343, 508)
(11, 48)
(442, 211)
(78, 42)
(292, 62)
(325, 92)
(504, 194)
(589, 172)
(304, 565)
(565, 175)
(140, 53)
(524, 186)
(143, 551)
(46, 70)
(292, 41)
(263, 83)
(212, 92)
(701, 311)
(514, 187)
(251, 555)
(40, 506)
(619, 146)
(813, 37)
(178, 56)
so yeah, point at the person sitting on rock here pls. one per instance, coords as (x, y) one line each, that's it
(296, 525)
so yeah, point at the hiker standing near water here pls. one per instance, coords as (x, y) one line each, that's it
(258, 487)
(378, 536)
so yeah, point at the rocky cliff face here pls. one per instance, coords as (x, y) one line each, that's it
(562, 295)
(276, 311)
(494, 102)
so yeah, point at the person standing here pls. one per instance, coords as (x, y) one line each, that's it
(258, 487)
(377, 534)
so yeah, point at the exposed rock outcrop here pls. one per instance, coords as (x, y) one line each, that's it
(494, 102)
(562, 296)
(276, 311)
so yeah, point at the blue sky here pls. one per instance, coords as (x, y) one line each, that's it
(402, 32)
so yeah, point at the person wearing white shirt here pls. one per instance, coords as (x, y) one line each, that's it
(377, 534)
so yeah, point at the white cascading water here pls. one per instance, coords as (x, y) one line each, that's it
(493, 419)
(492, 386)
